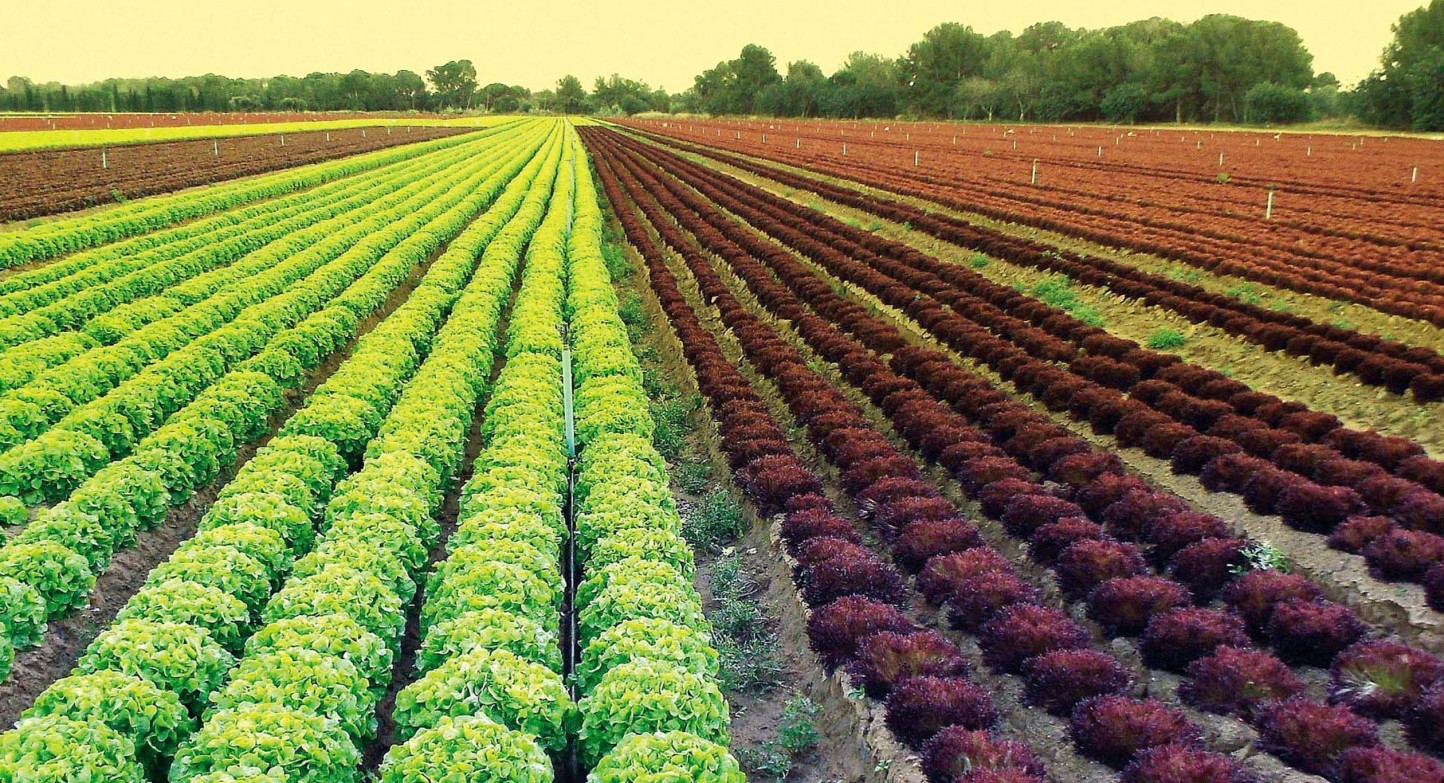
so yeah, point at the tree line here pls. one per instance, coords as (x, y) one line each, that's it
(1220, 68)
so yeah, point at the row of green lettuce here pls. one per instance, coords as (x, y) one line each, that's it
(651, 710)
(207, 262)
(59, 554)
(492, 704)
(323, 562)
(55, 238)
(76, 411)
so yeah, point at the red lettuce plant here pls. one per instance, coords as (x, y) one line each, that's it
(1048, 541)
(1057, 681)
(1175, 639)
(942, 574)
(1425, 720)
(978, 598)
(1088, 563)
(1403, 555)
(1123, 606)
(1235, 681)
(1310, 735)
(1383, 678)
(1356, 532)
(1184, 764)
(1026, 513)
(1312, 632)
(919, 542)
(1207, 566)
(1113, 729)
(835, 630)
(960, 754)
(1386, 765)
(850, 574)
(1021, 632)
(1255, 594)
(885, 659)
(919, 707)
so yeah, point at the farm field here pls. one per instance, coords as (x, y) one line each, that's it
(30, 139)
(121, 120)
(719, 450)
(50, 181)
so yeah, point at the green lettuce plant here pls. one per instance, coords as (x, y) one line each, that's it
(261, 544)
(333, 634)
(57, 748)
(153, 719)
(301, 746)
(665, 756)
(268, 510)
(225, 568)
(651, 639)
(626, 601)
(61, 577)
(224, 616)
(491, 629)
(22, 613)
(362, 597)
(315, 682)
(515, 692)
(649, 696)
(467, 748)
(179, 658)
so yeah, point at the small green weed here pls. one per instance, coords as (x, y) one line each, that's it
(1166, 339)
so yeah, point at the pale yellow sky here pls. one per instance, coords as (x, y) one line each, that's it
(533, 43)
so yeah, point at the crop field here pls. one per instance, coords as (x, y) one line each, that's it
(714, 450)
(45, 182)
(25, 137)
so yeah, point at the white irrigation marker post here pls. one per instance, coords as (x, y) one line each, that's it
(1034, 180)
(844, 150)
(104, 161)
(799, 143)
(1414, 176)
(215, 148)
(1100, 152)
(283, 139)
(915, 157)
(1220, 159)
(1310, 152)
(1269, 207)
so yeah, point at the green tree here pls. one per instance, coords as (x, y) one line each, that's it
(1408, 89)
(1270, 104)
(571, 96)
(1124, 102)
(754, 70)
(455, 83)
(797, 95)
(936, 66)
(867, 85)
(410, 90)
